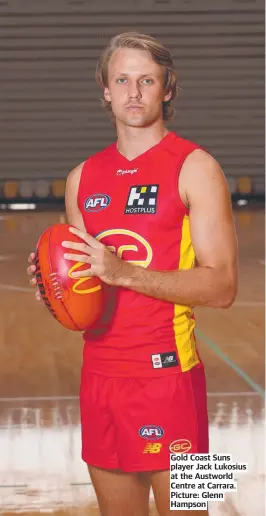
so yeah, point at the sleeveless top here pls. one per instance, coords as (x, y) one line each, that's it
(134, 208)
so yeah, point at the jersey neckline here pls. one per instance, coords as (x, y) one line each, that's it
(158, 146)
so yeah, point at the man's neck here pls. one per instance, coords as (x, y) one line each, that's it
(134, 141)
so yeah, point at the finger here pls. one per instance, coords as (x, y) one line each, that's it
(86, 237)
(76, 246)
(33, 282)
(31, 270)
(31, 257)
(78, 258)
(38, 295)
(82, 274)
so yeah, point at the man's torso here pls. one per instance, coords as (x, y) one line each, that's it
(134, 208)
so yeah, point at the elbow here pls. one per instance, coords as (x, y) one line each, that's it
(227, 293)
(227, 301)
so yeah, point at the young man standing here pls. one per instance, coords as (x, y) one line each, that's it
(161, 235)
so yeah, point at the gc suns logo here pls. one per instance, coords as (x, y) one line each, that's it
(180, 446)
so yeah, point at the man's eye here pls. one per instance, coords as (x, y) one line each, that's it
(121, 80)
(148, 81)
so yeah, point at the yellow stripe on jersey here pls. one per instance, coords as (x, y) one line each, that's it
(183, 322)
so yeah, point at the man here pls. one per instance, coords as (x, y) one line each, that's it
(155, 216)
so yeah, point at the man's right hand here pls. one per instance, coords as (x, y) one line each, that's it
(31, 272)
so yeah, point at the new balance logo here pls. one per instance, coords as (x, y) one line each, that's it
(164, 360)
(168, 359)
(152, 448)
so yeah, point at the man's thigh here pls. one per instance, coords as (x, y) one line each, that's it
(121, 494)
(160, 482)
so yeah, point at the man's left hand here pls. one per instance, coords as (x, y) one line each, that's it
(103, 263)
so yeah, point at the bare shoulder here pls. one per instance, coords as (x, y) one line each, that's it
(201, 175)
(199, 164)
(74, 216)
(73, 178)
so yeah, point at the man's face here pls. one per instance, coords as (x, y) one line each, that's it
(135, 87)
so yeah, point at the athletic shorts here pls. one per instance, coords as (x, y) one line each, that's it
(131, 424)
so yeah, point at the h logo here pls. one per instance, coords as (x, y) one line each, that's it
(142, 200)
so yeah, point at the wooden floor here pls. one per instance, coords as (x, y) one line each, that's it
(40, 465)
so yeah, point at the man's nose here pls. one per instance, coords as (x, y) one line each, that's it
(134, 90)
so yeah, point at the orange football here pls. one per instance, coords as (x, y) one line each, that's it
(76, 303)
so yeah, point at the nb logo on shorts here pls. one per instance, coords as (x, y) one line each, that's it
(152, 448)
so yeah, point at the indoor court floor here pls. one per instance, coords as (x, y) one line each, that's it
(40, 465)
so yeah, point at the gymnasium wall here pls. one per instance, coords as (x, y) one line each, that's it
(51, 114)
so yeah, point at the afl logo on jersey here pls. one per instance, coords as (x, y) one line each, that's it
(151, 432)
(97, 202)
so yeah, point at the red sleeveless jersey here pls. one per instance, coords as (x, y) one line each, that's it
(133, 207)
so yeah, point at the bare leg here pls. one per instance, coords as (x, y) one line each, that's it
(160, 481)
(121, 494)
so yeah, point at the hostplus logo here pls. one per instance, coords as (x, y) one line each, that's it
(142, 199)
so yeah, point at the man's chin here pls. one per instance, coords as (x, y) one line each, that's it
(136, 121)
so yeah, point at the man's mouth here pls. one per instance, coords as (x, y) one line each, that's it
(134, 106)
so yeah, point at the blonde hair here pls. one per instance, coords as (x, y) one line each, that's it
(159, 54)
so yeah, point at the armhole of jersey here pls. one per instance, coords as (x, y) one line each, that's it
(80, 185)
(179, 172)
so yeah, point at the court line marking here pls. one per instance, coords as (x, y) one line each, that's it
(9, 486)
(205, 339)
(231, 364)
(15, 288)
(69, 398)
(41, 398)
(233, 394)
(249, 304)
(16, 486)
(6, 257)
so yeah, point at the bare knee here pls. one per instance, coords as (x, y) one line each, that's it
(165, 511)
(121, 493)
(160, 481)
(192, 513)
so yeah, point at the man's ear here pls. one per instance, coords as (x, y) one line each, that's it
(106, 94)
(167, 96)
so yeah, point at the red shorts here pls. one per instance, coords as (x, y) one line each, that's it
(129, 423)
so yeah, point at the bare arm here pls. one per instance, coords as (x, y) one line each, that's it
(214, 280)
(73, 213)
